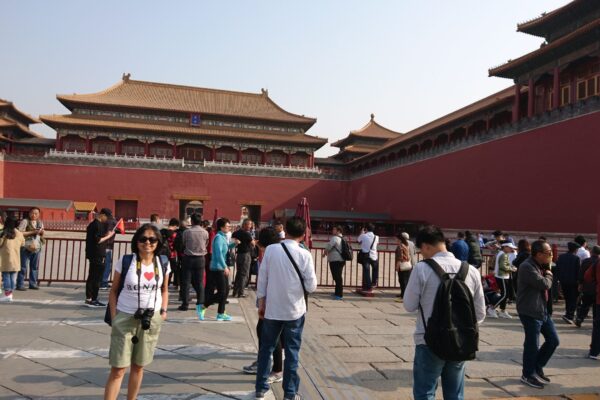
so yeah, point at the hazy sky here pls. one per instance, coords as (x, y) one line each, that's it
(409, 62)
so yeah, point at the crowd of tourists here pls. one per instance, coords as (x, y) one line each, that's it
(195, 254)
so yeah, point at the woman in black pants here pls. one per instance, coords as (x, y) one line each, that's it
(267, 236)
(336, 261)
(403, 265)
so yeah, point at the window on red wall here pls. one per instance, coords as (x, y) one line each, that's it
(133, 149)
(251, 157)
(104, 147)
(161, 151)
(73, 145)
(300, 160)
(224, 155)
(276, 158)
(192, 153)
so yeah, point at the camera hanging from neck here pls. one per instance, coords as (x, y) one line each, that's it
(138, 271)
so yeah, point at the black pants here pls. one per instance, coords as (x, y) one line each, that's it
(503, 285)
(175, 271)
(216, 280)
(193, 270)
(337, 268)
(570, 292)
(403, 277)
(510, 289)
(242, 272)
(586, 302)
(94, 278)
(277, 353)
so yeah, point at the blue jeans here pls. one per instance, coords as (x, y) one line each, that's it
(107, 268)
(292, 337)
(32, 259)
(428, 367)
(8, 281)
(367, 281)
(535, 357)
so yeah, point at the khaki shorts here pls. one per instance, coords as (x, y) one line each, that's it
(122, 351)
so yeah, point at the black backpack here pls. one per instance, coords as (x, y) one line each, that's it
(451, 332)
(347, 253)
(125, 264)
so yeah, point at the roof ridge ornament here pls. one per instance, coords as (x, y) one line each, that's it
(126, 77)
(264, 92)
(372, 116)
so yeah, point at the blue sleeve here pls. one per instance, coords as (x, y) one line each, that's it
(219, 252)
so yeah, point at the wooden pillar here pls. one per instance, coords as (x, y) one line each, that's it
(59, 143)
(516, 103)
(146, 149)
(263, 157)
(573, 89)
(531, 98)
(239, 156)
(213, 153)
(119, 147)
(174, 150)
(311, 161)
(556, 88)
(488, 121)
(88, 145)
(288, 159)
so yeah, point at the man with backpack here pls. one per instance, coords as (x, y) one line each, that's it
(338, 252)
(368, 258)
(438, 286)
(535, 281)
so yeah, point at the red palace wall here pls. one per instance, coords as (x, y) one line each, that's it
(1, 177)
(543, 180)
(157, 191)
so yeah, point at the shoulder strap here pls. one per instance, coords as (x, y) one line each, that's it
(463, 271)
(373, 242)
(126, 263)
(164, 262)
(287, 252)
(443, 275)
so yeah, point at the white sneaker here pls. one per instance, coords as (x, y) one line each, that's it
(269, 395)
(6, 299)
(504, 314)
(491, 313)
(275, 377)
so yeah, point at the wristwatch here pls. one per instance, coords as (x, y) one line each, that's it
(162, 311)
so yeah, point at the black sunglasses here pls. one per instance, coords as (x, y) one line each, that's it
(144, 239)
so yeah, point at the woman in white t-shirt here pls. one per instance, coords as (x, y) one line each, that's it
(144, 288)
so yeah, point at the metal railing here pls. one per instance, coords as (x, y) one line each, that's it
(63, 260)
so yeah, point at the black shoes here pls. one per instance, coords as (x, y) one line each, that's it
(532, 381)
(541, 377)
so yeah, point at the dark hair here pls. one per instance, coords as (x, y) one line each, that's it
(278, 222)
(431, 235)
(196, 219)
(524, 246)
(268, 236)
(468, 234)
(140, 232)
(173, 222)
(573, 247)
(9, 228)
(34, 208)
(339, 229)
(3, 216)
(295, 227)
(596, 250)
(221, 222)
(580, 240)
(497, 233)
(542, 238)
(537, 247)
(460, 235)
(370, 227)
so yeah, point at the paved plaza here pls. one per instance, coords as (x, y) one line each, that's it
(54, 348)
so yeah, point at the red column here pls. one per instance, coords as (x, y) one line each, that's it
(516, 103)
(146, 149)
(239, 156)
(88, 145)
(288, 159)
(311, 161)
(213, 154)
(263, 157)
(487, 123)
(174, 150)
(556, 93)
(119, 147)
(531, 98)
(59, 143)
(573, 90)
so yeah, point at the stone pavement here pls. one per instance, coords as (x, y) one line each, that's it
(52, 347)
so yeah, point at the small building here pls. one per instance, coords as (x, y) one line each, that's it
(50, 210)
(15, 135)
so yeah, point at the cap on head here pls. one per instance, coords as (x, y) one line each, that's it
(106, 211)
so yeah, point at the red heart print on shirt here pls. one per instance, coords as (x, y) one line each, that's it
(148, 275)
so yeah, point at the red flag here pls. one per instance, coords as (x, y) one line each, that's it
(120, 226)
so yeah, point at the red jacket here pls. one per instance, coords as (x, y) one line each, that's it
(589, 277)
